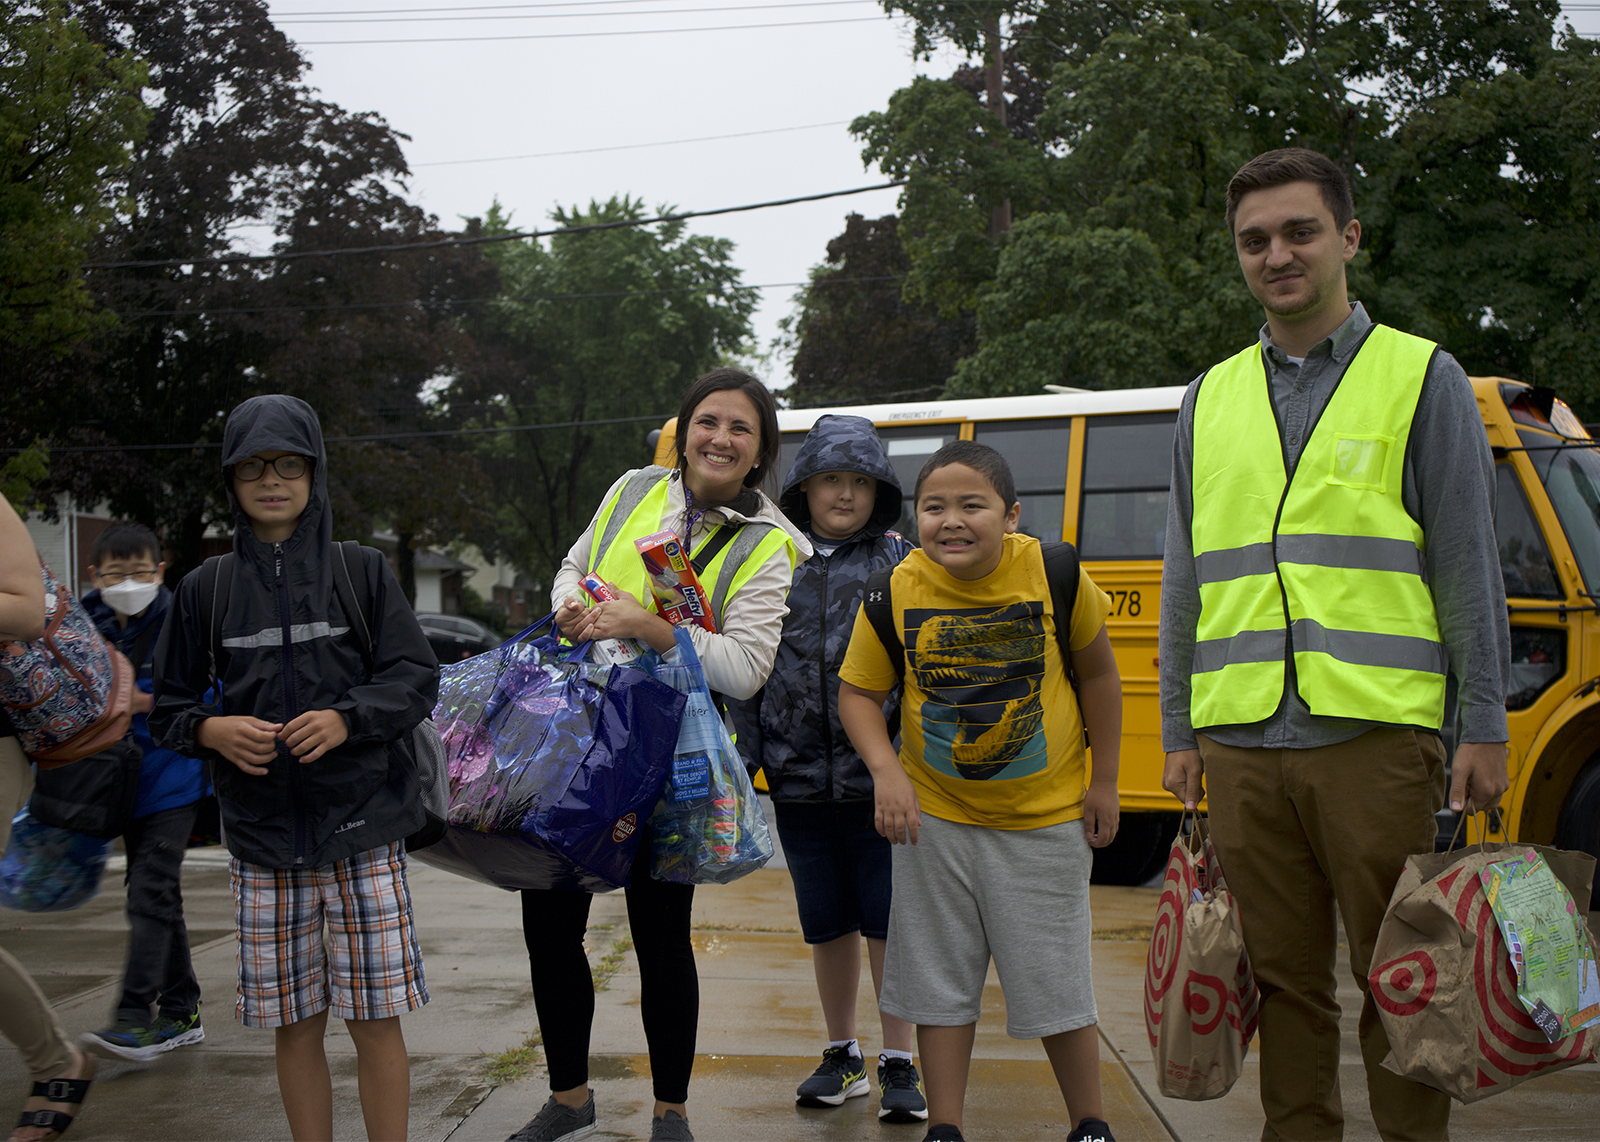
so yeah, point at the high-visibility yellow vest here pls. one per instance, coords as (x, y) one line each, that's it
(1324, 561)
(635, 512)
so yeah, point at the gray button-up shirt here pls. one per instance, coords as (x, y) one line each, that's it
(1448, 489)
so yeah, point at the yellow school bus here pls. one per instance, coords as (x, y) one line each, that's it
(1095, 468)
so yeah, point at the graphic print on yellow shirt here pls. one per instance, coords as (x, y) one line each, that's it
(990, 731)
(981, 672)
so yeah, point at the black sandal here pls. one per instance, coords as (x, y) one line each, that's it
(69, 1091)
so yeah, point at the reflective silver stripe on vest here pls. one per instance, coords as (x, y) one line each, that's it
(1354, 552)
(1350, 552)
(748, 539)
(1362, 648)
(631, 496)
(1235, 563)
(1246, 646)
(273, 636)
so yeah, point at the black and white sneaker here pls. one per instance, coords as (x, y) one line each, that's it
(1091, 1130)
(840, 1076)
(901, 1090)
(556, 1122)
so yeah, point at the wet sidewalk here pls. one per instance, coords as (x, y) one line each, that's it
(476, 1072)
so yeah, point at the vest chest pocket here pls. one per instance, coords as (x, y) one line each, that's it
(1361, 462)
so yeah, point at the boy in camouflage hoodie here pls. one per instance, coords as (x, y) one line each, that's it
(843, 492)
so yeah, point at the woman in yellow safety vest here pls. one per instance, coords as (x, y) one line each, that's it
(745, 552)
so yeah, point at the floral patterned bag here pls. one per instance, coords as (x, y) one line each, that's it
(69, 692)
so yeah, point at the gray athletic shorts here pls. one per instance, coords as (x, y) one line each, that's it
(965, 893)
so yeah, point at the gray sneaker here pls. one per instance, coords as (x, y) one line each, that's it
(670, 1127)
(558, 1123)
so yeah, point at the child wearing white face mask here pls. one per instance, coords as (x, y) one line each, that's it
(159, 1005)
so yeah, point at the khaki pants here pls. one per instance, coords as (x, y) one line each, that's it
(25, 1016)
(1298, 831)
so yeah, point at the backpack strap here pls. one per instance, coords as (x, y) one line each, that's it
(349, 599)
(878, 602)
(216, 580)
(1061, 573)
(713, 546)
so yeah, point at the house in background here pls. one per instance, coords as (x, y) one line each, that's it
(65, 543)
(438, 576)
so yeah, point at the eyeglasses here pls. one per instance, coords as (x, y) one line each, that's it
(112, 578)
(289, 467)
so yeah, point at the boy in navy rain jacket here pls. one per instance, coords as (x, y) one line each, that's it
(843, 491)
(314, 775)
(129, 605)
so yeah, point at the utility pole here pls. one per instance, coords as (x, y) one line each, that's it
(994, 90)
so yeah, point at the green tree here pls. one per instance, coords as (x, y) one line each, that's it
(858, 338)
(68, 115)
(594, 340)
(237, 144)
(1466, 128)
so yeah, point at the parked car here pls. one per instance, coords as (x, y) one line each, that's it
(454, 637)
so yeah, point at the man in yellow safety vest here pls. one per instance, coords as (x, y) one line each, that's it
(1330, 557)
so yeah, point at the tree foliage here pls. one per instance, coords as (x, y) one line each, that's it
(68, 114)
(859, 339)
(592, 343)
(241, 155)
(1467, 129)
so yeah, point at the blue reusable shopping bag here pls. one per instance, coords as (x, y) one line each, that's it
(708, 827)
(554, 763)
(49, 869)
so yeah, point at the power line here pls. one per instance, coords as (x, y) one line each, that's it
(657, 418)
(315, 21)
(460, 8)
(634, 146)
(464, 301)
(585, 35)
(246, 259)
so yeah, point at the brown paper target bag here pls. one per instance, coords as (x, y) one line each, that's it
(1443, 981)
(1200, 998)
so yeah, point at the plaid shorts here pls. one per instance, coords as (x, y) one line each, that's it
(284, 947)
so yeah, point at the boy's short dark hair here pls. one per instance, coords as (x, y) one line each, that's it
(125, 541)
(1294, 164)
(981, 459)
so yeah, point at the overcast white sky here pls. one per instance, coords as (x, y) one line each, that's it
(547, 83)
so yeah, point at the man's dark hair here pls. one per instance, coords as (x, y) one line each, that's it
(981, 459)
(1294, 164)
(125, 541)
(725, 380)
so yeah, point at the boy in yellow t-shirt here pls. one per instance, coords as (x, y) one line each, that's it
(988, 793)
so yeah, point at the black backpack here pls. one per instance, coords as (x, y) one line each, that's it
(1060, 572)
(425, 746)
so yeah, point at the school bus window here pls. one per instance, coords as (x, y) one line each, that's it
(909, 447)
(1525, 561)
(1036, 450)
(1573, 483)
(1127, 473)
(1538, 658)
(788, 448)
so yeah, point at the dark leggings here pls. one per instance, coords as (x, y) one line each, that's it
(553, 924)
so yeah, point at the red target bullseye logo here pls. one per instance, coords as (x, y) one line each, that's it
(1166, 939)
(1404, 986)
(1508, 1040)
(1205, 997)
